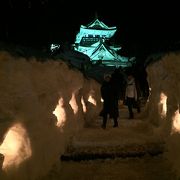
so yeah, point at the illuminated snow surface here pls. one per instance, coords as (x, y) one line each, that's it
(132, 136)
(49, 111)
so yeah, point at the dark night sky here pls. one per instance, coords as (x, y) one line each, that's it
(142, 27)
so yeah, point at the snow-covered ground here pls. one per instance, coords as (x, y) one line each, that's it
(129, 152)
(146, 168)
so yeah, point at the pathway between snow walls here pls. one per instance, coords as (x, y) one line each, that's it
(163, 108)
(42, 106)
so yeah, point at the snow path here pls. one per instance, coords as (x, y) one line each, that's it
(131, 136)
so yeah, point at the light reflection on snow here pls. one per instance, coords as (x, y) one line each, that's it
(83, 105)
(176, 122)
(163, 105)
(60, 113)
(149, 94)
(91, 99)
(73, 103)
(16, 146)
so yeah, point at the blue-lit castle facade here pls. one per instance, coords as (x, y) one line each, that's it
(92, 41)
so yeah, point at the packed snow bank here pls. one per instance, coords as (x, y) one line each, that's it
(42, 105)
(163, 107)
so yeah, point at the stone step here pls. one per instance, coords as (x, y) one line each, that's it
(133, 138)
(111, 152)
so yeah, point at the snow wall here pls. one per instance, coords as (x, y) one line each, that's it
(42, 106)
(163, 107)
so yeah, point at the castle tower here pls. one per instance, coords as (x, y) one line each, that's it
(92, 40)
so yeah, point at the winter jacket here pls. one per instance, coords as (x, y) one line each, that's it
(131, 90)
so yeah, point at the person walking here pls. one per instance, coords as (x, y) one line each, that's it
(131, 95)
(110, 101)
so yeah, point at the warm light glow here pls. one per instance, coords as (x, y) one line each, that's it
(16, 146)
(83, 105)
(60, 113)
(73, 103)
(162, 104)
(92, 100)
(176, 122)
(102, 100)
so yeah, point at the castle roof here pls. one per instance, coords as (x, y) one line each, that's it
(97, 24)
(96, 28)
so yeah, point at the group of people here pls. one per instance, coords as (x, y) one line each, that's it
(115, 87)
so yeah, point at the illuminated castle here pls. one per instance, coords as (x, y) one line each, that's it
(92, 41)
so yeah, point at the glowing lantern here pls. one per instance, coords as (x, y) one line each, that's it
(16, 146)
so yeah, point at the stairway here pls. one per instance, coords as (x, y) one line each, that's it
(133, 138)
(129, 152)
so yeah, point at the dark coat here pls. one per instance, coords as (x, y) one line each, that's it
(118, 79)
(110, 96)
